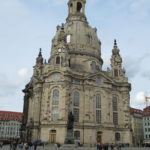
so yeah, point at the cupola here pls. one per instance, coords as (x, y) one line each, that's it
(76, 10)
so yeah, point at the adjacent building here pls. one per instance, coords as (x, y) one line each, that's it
(146, 124)
(10, 123)
(73, 80)
(137, 126)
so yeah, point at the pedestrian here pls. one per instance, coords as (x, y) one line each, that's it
(1, 144)
(30, 145)
(15, 145)
(101, 146)
(26, 146)
(98, 146)
(119, 146)
(112, 146)
(11, 145)
(56, 146)
(20, 146)
(35, 146)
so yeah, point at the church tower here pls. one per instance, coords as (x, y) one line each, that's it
(73, 80)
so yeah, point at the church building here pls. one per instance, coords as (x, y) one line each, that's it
(72, 80)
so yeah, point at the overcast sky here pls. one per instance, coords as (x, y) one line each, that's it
(27, 25)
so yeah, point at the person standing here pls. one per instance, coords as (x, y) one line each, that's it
(112, 146)
(26, 146)
(1, 144)
(98, 146)
(35, 146)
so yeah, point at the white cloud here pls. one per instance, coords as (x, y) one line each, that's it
(23, 72)
(140, 97)
(139, 100)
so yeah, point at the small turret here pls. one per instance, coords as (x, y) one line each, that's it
(39, 59)
(116, 62)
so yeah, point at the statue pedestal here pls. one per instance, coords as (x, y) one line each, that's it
(70, 138)
(69, 147)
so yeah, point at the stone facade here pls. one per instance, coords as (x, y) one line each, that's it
(73, 80)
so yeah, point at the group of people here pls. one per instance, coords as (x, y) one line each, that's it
(20, 145)
(107, 146)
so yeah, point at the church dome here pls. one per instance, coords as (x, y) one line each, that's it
(76, 36)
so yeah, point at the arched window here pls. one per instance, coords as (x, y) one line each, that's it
(98, 108)
(116, 73)
(68, 38)
(79, 7)
(115, 109)
(57, 60)
(93, 65)
(71, 8)
(54, 113)
(76, 114)
(114, 103)
(76, 135)
(89, 39)
(76, 98)
(55, 97)
(98, 101)
(117, 136)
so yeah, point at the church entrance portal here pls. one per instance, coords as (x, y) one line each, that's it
(53, 136)
(99, 137)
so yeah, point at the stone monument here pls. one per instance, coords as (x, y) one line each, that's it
(69, 140)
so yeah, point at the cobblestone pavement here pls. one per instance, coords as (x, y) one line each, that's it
(80, 148)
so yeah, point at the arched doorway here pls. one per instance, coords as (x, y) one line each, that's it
(53, 136)
(99, 137)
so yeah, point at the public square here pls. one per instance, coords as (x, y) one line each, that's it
(52, 147)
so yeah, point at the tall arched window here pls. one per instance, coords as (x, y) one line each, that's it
(76, 103)
(93, 65)
(98, 108)
(79, 7)
(77, 135)
(57, 60)
(117, 136)
(71, 8)
(98, 101)
(55, 97)
(115, 110)
(115, 105)
(54, 113)
(116, 73)
(76, 98)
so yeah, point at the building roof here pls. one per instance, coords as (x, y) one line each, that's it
(10, 116)
(146, 112)
(134, 110)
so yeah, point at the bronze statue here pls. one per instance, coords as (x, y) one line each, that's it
(70, 121)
